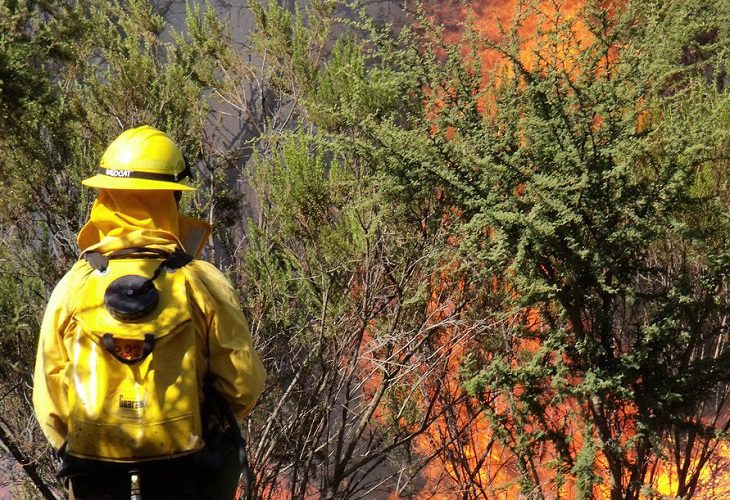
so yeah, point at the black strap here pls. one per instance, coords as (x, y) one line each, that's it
(100, 261)
(135, 174)
(177, 259)
(147, 346)
(174, 260)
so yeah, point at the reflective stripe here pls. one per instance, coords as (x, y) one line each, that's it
(134, 174)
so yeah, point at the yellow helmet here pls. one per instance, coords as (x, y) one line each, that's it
(142, 158)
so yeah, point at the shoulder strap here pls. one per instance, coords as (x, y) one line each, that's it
(174, 260)
(177, 259)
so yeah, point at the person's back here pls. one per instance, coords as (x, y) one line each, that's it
(139, 336)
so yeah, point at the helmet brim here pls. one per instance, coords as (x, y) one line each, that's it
(101, 181)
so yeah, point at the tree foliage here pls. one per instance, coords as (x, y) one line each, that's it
(582, 175)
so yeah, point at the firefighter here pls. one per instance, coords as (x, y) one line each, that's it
(143, 348)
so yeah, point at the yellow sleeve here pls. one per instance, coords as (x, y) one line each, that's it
(237, 372)
(50, 395)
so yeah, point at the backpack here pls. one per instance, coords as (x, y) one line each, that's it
(132, 376)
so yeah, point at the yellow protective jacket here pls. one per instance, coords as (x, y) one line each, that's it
(123, 219)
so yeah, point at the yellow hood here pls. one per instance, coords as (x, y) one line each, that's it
(124, 218)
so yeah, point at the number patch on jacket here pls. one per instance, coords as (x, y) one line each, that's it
(128, 348)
